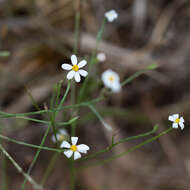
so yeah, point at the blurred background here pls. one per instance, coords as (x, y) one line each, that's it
(39, 34)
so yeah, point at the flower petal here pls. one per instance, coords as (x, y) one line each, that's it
(77, 77)
(111, 15)
(82, 63)
(175, 125)
(83, 72)
(83, 148)
(175, 116)
(101, 57)
(106, 75)
(63, 132)
(182, 120)
(74, 59)
(53, 138)
(170, 118)
(65, 144)
(70, 75)
(68, 153)
(66, 66)
(116, 87)
(77, 155)
(74, 140)
(181, 125)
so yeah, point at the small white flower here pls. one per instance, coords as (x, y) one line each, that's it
(101, 57)
(111, 80)
(75, 72)
(176, 121)
(111, 15)
(61, 135)
(74, 149)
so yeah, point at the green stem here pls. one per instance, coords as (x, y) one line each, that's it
(27, 177)
(48, 122)
(36, 155)
(54, 114)
(4, 184)
(119, 142)
(63, 99)
(73, 174)
(138, 73)
(130, 150)
(134, 76)
(76, 35)
(107, 126)
(30, 145)
(98, 39)
(93, 57)
(83, 104)
(50, 167)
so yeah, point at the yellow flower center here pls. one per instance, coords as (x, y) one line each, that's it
(111, 78)
(73, 148)
(75, 68)
(177, 120)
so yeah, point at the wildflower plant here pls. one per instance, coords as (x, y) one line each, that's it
(75, 69)
(101, 57)
(74, 149)
(111, 15)
(177, 121)
(111, 80)
(61, 135)
(63, 148)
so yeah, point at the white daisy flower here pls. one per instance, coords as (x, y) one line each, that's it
(111, 80)
(176, 121)
(75, 72)
(111, 15)
(74, 149)
(61, 135)
(101, 57)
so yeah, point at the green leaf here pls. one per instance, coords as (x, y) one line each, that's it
(4, 53)
(152, 66)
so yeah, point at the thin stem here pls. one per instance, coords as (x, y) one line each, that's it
(63, 99)
(4, 182)
(119, 142)
(30, 145)
(98, 39)
(35, 104)
(77, 25)
(107, 126)
(27, 177)
(4, 173)
(132, 77)
(58, 92)
(50, 167)
(83, 104)
(93, 57)
(73, 174)
(4, 53)
(49, 122)
(54, 114)
(131, 149)
(36, 155)
(138, 73)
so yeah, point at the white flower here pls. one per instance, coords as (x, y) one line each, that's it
(74, 149)
(61, 135)
(177, 121)
(101, 57)
(111, 15)
(111, 80)
(75, 69)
